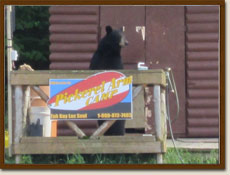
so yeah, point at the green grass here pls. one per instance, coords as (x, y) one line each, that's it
(169, 158)
(191, 157)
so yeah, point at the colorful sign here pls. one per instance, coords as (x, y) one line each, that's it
(105, 95)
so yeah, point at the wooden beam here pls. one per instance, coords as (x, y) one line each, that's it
(163, 120)
(138, 120)
(158, 120)
(26, 107)
(72, 145)
(18, 118)
(157, 111)
(136, 91)
(75, 128)
(41, 93)
(149, 77)
(103, 128)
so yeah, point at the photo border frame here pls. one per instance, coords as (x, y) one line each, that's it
(222, 120)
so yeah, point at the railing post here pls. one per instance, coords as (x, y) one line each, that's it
(157, 111)
(163, 120)
(160, 119)
(18, 125)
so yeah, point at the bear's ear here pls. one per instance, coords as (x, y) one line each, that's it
(108, 29)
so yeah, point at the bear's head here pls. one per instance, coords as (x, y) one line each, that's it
(117, 36)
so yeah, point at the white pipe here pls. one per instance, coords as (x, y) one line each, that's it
(9, 68)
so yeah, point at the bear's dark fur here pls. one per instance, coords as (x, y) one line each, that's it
(108, 53)
(108, 57)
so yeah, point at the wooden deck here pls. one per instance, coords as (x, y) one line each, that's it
(103, 144)
(97, 143)
(195, 144)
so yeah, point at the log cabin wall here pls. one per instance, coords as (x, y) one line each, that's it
(185, 38)
(202, 69)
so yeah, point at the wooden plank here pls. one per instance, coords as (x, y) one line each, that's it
(26, 106)
(199, 140)
(103, 128)
(18, 113)
(72, 145)
(157, 111)
(75, 128)
(70, 139)
(41, 93)
(136, 91)
(138, 120)
(163, 120)
(158, 119)
(195, 144)
(26, 100)
(42, 77)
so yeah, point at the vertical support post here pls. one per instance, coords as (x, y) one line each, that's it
(9, 87)
(26, 106)
(163, 120)
(157, 111)
(18, 131)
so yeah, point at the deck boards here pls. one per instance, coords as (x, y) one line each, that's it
(73, 145)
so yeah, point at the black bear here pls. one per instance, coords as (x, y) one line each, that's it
(107, 57)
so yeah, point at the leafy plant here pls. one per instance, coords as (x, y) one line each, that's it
(31, 36)
(26, 159)
(75, 159)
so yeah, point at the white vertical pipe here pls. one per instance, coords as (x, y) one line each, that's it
(9, 68)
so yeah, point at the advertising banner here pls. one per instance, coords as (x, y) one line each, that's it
(102, 96)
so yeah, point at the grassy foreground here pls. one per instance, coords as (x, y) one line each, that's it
(169, 158)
